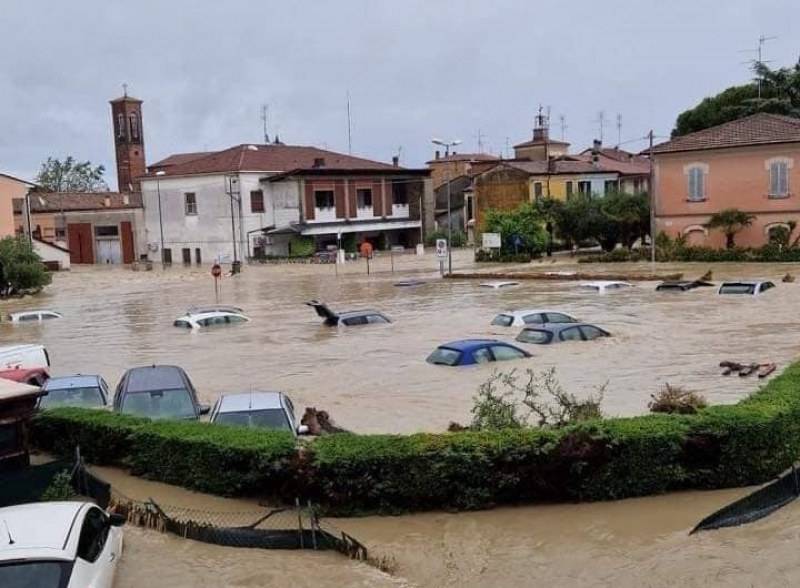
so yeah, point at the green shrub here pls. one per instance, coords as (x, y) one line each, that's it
(21, 267)
(459, 237)
(60, 488)
(302, 246)
(494, 255)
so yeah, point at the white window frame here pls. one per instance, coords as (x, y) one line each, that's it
(778, 184)
(696, 182)
(190, 207)
(360, 200)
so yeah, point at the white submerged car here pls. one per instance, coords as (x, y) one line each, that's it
(499, 284)
(532, 316)
(602, 286)
(212, 318)
(59, 545)
(25, 316)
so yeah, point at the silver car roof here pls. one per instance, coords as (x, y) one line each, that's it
(76, 381)
(244, 401)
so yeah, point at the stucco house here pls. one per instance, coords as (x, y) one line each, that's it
(750, 164)
(11, 189)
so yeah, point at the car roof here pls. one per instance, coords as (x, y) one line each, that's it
(352, 313)
(21, 347)
(556, 327)
(154, 377)
(213, 307)
(526, 312)
(467, 344)
(604, 283)
(499, 283)
(40, 528)
(34, 311)
(244, 401)
(76, 381)
(209, 314)
(744, 282)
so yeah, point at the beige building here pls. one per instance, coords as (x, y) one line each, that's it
(11, 189)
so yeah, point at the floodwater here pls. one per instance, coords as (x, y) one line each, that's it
(375, 379)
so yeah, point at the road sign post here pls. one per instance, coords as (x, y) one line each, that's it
(216, 271)
(441, 253)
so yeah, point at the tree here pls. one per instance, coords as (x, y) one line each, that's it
(521, 230)
(629, 213)
(780, 94)
(70, 176)
(21, 269)
(730, 221)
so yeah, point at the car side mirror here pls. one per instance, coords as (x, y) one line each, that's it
(205, 409)
(302, 430)
(116, 520)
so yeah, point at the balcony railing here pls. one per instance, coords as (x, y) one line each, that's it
(400, 210)
(326, 214)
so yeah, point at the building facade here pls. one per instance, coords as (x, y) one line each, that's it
(749, 164)
(11, 190)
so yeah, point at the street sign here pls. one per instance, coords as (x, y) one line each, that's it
(216, 271)
(491, 241)
(441, 248)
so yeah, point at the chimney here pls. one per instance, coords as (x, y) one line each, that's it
(396, 161)
(319, 162)
(540, 135)
(437, 154)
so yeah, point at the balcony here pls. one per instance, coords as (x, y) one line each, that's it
(324, 215)
(364, 212)
(400, 210)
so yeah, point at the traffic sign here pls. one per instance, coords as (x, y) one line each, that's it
(441, 248)
(216, 270)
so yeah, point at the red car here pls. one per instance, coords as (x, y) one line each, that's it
(33, 376)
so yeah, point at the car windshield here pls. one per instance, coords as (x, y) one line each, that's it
(737, 289)
(160, 404)
(444, 356)
(503, 320)
(258, 419)
(535, 336)
(88, 396)
(35, 574)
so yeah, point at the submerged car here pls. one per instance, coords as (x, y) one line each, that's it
(209, 319)
(554, 333)
(602, 286)
(350, 318)
(746, 287)
(472, 351)
(214, 308)
(499, 284)
(25, 316)
(32, 376)
(59, 545)
(257, 410)
(517, 318)
(89, 391)
(681, 285)
(158, 392)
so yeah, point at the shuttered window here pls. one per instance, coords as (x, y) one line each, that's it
(778, 179)
(696, 184)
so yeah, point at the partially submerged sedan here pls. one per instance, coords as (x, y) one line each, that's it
(531, 316)
(348, 319)
(158, 392)
(257, 410)
(472, 351)
(28, 316)
(681, 285)
(500, 284)
(87, 391)
(602, 286)
(209, 319)
(555, 333)
(751, 287)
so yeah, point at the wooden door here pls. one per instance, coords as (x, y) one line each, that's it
(79, 240)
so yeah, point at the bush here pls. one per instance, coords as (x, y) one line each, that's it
(302, 246)
(459, 238)
(676, 400)
(494, 255)
(21, 268)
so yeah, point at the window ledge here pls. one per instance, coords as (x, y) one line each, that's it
(690, 200)
(779, 196)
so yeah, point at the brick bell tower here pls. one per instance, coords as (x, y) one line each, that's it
(126, 114)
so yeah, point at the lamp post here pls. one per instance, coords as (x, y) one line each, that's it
(28, 216)
(160, 218)
(447, 145)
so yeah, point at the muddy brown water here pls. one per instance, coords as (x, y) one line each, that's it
(375, 379)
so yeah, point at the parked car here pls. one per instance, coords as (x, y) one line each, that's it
(32, 376)
(214, 308)
(158, 392)
(518, 318)
(752, 287)
(681, 285)
(88, 391)
(472, 351)
(350, 318)
(258, 410)
(499, 284)
(30, 355)
(209, 319)
(25, 316)
(59, 545)
(554, 333)
(602, 286)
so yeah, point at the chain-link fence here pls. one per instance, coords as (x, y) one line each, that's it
(756, 505)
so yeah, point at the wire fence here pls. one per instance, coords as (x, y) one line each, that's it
(299, 527)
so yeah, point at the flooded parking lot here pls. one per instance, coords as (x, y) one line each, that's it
(375, 379)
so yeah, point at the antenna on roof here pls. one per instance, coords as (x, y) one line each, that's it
(264, 116)
(619, 129)
(563, 120)
(8, 532)
(756, 64)
(601, 120)
(125, 90)
(349, 127)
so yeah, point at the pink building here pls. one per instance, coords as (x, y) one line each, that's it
(752, 164)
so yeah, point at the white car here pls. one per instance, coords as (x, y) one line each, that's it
(33, 315)
(499, 284)
(751, 287)
(602, 286)
(59, 545)
(532, 316)
(214, 308)
(209, 319)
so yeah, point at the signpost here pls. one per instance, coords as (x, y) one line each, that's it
(216, 271)
(491, 241)
(441, 253)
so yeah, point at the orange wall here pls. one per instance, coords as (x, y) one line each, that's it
(736, 178)
(9, 190)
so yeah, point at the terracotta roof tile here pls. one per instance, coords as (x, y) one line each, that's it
(77, 201)
(758, 129)
(465, 157)
(583, 164)
(178, 159)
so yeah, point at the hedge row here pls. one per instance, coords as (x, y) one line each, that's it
(767, 253)
(721, 446)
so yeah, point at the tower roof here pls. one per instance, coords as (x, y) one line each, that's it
(125, 99)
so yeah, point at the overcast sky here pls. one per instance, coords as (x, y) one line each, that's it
(414, 69)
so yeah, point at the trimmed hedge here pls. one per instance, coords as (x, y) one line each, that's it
(721, 446)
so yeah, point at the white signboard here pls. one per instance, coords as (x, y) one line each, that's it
(224, 258)
(491, 241)
(441, 248)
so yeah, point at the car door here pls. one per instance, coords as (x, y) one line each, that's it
(571, 334)
(504, 352)
(536, 318)
(99, 548)
(558, 317)
(590, 332)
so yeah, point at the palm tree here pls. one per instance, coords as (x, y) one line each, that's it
(731, 221)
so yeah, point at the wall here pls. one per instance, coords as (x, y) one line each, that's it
(736, 178)
(10, 189)
(502, 189)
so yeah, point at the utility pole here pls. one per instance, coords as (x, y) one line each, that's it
(232, 190)
(619, 130)
(264, 115)
(349, 128)
(652, 200)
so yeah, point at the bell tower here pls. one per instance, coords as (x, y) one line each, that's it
(126, 114)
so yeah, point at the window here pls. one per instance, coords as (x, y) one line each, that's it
(482, 355)
(323, 198)
(364, 197)
(376, 319)
(106, 231)
(198, 259)
(256, 201)
(502, 352)
(696, 184)
(354, 321)
(569, 190)
(166, 256)
(39, 573)
(536, 336)
(191, 203)
(611, 186)
(534, 319)
(134, 127)
(93, 535)
(186, 253)
(120, 126)
(557, 317)
(779, 179)
(585, 188)
(537, 190)
(590, 332)
(444, 356)
(503, 320)
(571, 334)
(400, 192)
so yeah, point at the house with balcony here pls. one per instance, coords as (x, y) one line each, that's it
(752, 164)
(250, 200)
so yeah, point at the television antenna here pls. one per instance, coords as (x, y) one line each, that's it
(756, 63)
